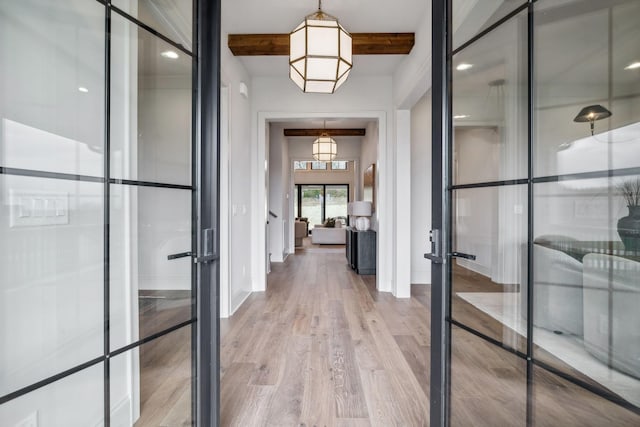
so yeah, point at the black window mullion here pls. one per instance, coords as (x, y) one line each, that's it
(530, 210)
(106, 216)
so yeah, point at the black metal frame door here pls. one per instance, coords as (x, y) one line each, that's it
(441, 128)
(208, 209)
(533, 377)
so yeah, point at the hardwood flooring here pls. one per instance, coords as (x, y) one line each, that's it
(322, 348)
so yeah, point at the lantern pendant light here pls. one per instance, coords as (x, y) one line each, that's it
(319, 53)
(325, 148)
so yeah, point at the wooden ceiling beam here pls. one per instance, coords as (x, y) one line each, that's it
(363, 44)
(331, 132)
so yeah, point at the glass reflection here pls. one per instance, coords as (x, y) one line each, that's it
(52, 80)
(151, 109)
(171, 18)
(586, 282)
(471, 18)
(58, 404)
(51, 278)
(583, 59)
(151, 385)
(150, 269)
(489, 106)
(490, 224)
(497, 394)
(555, 403)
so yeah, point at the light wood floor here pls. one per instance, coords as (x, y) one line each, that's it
(322, 348)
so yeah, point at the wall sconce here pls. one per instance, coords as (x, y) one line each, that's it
(591, 114)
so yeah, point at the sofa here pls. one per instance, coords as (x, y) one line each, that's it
(611, 314)
(558, 291)
(301, 230)
(323, 235)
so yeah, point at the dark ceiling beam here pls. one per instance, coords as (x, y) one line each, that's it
(363, 44)
(331, 132)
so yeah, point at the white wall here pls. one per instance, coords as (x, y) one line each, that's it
(421, 189)
(240, 166)
(412, 78)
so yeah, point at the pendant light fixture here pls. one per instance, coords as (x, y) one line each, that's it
(319, 53)
(325, 148)
(592, 113)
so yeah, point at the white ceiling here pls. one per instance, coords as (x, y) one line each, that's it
(357, 16)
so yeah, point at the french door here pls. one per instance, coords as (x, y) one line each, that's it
(108, 187)
(536, 148)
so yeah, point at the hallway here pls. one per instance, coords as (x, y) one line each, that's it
(322, 348)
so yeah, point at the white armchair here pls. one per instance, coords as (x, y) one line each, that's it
(611, 311)
(557, 289)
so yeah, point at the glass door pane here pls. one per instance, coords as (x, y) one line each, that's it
(312, 204)
(96, 236)
(586, 192)
(336, 201)
(52, 204)
(151, 233)
(489, 291)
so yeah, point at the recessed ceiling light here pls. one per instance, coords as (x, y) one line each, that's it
(633, 66)
(170, 54)
(461, 116)
(464, 66)
(83, 89)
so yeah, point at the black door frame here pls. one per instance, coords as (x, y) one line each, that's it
(440, 213)
(207, 131)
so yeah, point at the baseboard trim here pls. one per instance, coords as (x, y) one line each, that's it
(235, 308)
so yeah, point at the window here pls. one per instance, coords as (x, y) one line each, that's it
(300, 165)
(339, 166)
(317, 202)
(319, 165)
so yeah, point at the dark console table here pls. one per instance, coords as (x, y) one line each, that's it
(361, 250)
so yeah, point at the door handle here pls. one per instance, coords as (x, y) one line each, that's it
(436, 248)
(179, 255)
(462, 255)
(434, 258)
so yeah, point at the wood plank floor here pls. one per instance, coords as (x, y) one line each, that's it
(322, 348)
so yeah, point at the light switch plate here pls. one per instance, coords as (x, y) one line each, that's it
(38, 208)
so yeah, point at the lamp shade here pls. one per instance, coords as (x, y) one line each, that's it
(319, 54)
(325, 148)
(361, 208)
(592, 113)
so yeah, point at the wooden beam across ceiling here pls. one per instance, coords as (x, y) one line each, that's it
(363, 44)
(331, 132)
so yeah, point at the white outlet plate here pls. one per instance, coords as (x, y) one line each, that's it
(30, 421)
